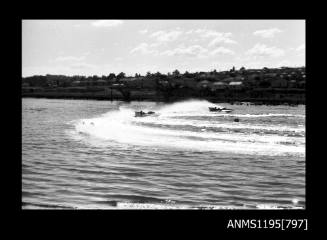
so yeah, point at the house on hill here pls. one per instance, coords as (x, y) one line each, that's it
(236, 85)
(292, 84)
(177, 82)
(131, 82)
(219, 86)
(163, 83)
(204, 84)
(254, 71)
(239, 78)
(270, 75)
(117, 85)
(76, 83)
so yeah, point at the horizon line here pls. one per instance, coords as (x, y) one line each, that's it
(164, 73)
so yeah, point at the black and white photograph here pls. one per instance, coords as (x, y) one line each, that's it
(129, 114)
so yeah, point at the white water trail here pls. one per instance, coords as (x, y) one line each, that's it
(122, 127)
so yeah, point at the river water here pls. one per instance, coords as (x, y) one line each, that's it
(86, 154)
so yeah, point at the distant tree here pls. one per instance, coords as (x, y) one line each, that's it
(176, 73)
(148, 74)
(36, 81)
(95, 77)
(111, 76)
(187, 74)
(158, 74)
(242, 69)
(121, 75)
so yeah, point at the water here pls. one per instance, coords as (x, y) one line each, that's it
(81, 154)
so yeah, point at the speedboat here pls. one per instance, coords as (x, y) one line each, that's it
(144, 114)
(216, 109)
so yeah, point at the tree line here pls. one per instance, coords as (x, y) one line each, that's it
(65, 81)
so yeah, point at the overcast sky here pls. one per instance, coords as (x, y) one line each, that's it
(99, 47)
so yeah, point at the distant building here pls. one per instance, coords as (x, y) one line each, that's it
(238, 79)
(236, 85)
(76, 83)
(163, 83)
(283, 75)
(177, 82)
(118, 85)
(203, 76)
(128, 79)
(218, 86)
(292, 84)
(253, 71)
(270, 75)
(204, 84)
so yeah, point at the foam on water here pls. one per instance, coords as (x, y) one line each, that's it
(159, 206)
(203, 123)
(121, 126)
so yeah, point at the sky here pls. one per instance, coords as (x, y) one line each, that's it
(100, 47)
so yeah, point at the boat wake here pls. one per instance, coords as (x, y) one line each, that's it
(189, 125)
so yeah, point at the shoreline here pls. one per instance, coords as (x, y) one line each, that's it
(231, 100)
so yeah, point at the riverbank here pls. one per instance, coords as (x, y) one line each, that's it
(152, 96)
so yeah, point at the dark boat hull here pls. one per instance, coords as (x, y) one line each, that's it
(144, 114)
(215, 109)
